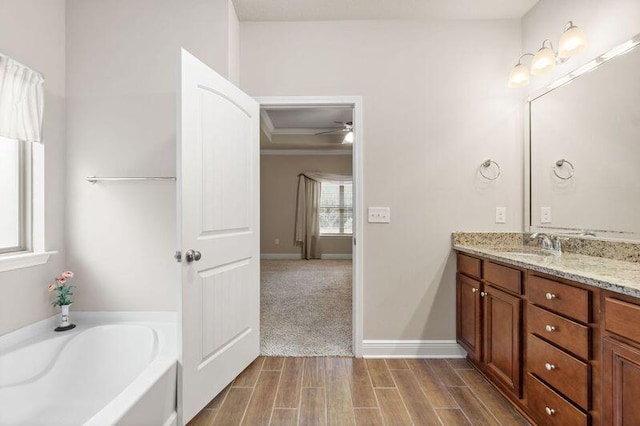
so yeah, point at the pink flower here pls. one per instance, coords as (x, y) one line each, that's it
(67, 274)
(52, 287)
(62, 280)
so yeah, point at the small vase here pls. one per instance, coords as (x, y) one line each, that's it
(65, 323)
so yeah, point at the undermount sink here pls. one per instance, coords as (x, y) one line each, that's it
(529, 253)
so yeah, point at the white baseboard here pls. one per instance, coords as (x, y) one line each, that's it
(298, 256)
(280, 256)
(337, 256)
(412, 349)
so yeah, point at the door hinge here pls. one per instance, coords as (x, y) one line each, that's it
(178, 256)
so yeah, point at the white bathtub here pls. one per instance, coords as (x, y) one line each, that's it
(110, 369)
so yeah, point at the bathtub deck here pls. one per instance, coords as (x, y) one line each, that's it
(347, 391)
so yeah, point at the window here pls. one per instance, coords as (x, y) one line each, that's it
(336, 209)
(14, 193)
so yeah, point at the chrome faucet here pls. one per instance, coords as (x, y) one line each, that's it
(546, 240)
(550, 243)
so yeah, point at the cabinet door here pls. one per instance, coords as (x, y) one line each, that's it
(502, 337)
(468, 324)
(621, 382)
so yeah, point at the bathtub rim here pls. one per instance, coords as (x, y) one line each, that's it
(165, 325)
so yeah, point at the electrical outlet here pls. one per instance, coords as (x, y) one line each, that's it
(379, 214)
(276, 241)
(501, 215)
(545, 214)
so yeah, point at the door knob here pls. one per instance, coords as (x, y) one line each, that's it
(192, 255)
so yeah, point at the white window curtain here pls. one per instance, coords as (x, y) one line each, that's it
(307, 228)
(21, 101)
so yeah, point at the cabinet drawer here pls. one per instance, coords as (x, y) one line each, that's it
(565, 373)
(619, 315)
(469, 265)
(570, 335)
(571, 301)
(504, 277)
(549, 408)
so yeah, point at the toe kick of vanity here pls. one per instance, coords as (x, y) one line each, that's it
(563, 352)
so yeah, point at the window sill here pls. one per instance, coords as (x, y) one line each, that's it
(9, 262)
(336, 236)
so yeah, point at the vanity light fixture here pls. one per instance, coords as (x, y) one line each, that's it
(519, 75)
(573, 41)
(544, 60)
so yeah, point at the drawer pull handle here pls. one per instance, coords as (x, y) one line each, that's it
(483, 294)
(549, 367)
(550, 411)
(550, 328)
(473, 290)
(550, 296)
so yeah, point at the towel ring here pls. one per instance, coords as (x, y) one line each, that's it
(485, 165)
(561, 163)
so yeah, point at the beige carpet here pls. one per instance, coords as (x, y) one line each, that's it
(305, 307)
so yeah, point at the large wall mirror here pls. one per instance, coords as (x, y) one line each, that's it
(584, 149)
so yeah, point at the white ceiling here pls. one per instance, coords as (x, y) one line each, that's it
(337, 10)
(308, 118)
(296, 128)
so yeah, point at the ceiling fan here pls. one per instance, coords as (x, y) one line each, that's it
(347, 127)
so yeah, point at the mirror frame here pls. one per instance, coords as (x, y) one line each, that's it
(621, 49)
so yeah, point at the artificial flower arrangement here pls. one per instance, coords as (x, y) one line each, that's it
(63, 288)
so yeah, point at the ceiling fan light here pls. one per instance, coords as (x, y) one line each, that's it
(348, 138)
(573, 41)
(518, 77)
(543, 61)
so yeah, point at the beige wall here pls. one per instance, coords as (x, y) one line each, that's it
(607, 23)
(436, 105)
(40, 44)
(278, 194)
(122, 76)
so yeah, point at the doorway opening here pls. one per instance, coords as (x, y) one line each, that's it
(311, 198)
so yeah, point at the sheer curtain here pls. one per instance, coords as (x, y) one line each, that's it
(21, 101)
(307, 231)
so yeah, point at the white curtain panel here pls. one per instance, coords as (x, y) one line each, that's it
(329, 177)
(21, 101)
(307, 231)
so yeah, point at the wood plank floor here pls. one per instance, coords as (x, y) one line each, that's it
(352, 391)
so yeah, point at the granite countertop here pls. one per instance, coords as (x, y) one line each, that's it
(609, 274)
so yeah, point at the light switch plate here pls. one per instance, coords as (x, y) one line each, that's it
(379, 214)
(545, 214)
(501, 215)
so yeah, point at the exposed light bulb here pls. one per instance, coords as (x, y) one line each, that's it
(543, 61)
(348, 138)
(519, 76)
(573, 41)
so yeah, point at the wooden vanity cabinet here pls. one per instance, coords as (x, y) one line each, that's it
(561, 320)
(621, 360)
(489, 319)
(502, 337)
(538, 340)
(469, 315)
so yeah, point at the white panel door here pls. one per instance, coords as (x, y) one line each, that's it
(219, 209)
